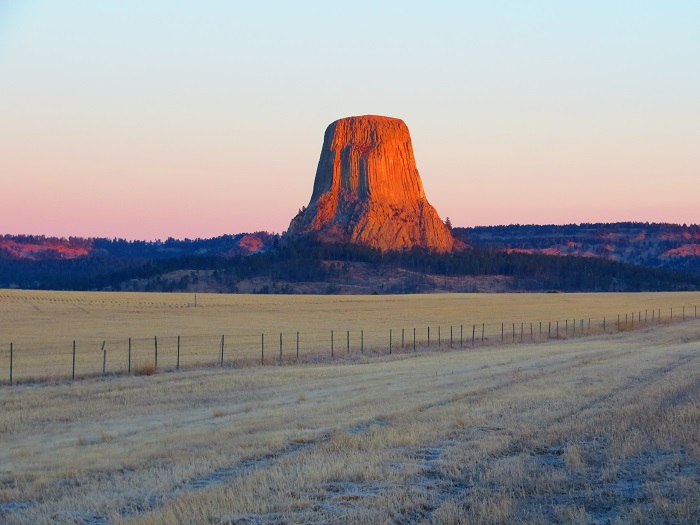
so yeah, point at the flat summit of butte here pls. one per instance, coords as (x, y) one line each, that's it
(368, 191)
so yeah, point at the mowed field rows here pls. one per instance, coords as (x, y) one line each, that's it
(602, 429)
(43, 325)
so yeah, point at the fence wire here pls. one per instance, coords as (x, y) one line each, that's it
(41, 361)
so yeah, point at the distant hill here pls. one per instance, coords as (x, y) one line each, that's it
(269, 263)
(670, 246)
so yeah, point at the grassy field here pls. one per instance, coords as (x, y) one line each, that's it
(602, 429)
(42, 325)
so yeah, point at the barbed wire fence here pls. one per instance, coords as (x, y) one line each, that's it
(40, 362)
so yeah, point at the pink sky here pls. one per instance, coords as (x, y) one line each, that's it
(517, 116)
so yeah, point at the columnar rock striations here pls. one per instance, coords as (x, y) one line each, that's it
(368, 191)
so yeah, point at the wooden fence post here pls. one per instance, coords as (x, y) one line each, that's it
(473, 334)
(428, 337)
(414, 339)
(262, 349)
(461, 336)
(389, 341)
(280, 346)
(331, 343)
(402, 339)
(222, 350)
(348, 342)
(129, 363)
(11, 357)
(104, 358)
(73, 374)
(439, 336)
(297, 345)
(362, 341)
(502, 332)
(155, 342)
(483, 325)
(177, 366)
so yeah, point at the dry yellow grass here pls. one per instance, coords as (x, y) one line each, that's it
(595, 430)
(42, 325)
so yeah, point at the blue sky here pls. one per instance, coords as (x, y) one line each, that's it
(193, 119)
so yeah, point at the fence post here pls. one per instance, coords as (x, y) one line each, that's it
(439, 336)
(684, 313)
(280, 346)
(402, 339)
(531, 336)
(389, 341)
(671, 314)
(262, 349)
(460, 336)
(549, 334)
(618, 322)
(222, 351)
(104, 358)
(502, 332)
(297, 345)
(521, 331)
(11, 356)
(567, 327)
(414, 339)
(473, 334)
(155, 342)
(483, 325)
(514, 332)
(177, 366)
(540, 329)
(129, 364)
(73, 375)
(603, 324)
(362, 341)
(348, 341)
(428, 337)
(331, 343)
(557, 329)
(450, 336)
(574, 334)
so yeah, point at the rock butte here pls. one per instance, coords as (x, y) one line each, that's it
(368, 191)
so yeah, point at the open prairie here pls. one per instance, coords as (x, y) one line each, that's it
(602, 429)
(115, 331)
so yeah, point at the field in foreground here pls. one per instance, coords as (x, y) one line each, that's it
(595, 430)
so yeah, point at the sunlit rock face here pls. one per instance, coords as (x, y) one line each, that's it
(368, 191)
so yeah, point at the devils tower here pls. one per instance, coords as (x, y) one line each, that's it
(368, 191)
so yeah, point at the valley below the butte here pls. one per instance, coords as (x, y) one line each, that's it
(588, 428)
